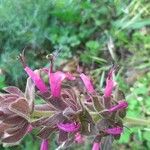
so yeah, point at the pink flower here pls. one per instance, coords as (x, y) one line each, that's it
(44, 145)
(79, 138)
(69, 127)
(121, 105)
(114, 131)
(36, 79)
(87, 82)
(96, 146)
(110, 84)
(56, 79)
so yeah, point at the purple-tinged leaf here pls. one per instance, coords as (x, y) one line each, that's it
(13, 119)
(97, 102)
(39, 122)
(3, 127)
(44, 107)
(1, 98)
(69, 112)
(54, 101)
(6, 103)
(54, 120)
(14, 90)
(87, 123)
(63, 136)
(5, 96)
(102, 124)
(45, 132)
(12, 130)
(17, 136)
(21, 107)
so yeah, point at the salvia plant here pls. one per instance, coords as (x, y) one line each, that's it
(72, 108)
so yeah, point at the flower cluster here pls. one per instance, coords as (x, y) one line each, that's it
(72, 108)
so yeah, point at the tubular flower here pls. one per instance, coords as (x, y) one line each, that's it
(36, 79)
(96, 146)
(87, 82)
(69, 127)
(121, 105)
(44, 144)
(55, 80)
(110, 84)
(114, 131)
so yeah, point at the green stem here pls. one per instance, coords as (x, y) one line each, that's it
(136, 121)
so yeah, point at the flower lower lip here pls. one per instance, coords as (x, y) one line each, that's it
(69, 127)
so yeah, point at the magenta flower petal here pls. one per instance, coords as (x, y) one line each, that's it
(96, 146)
(114, 131)
(110, 84)
(121, 105)
(56, 79)
(36, 79)
(44, 145)
(87, 82)
(56, 82)
(69, 127)
(79, 138)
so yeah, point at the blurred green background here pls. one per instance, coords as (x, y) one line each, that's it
(93, 33)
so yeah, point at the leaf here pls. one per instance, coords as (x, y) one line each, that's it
(45, 132)
(21, 107)
(17, 136)
(6, 102)
(14, 90)
(13, 119)
(63, 136)
(87, 123)
(97, 103)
